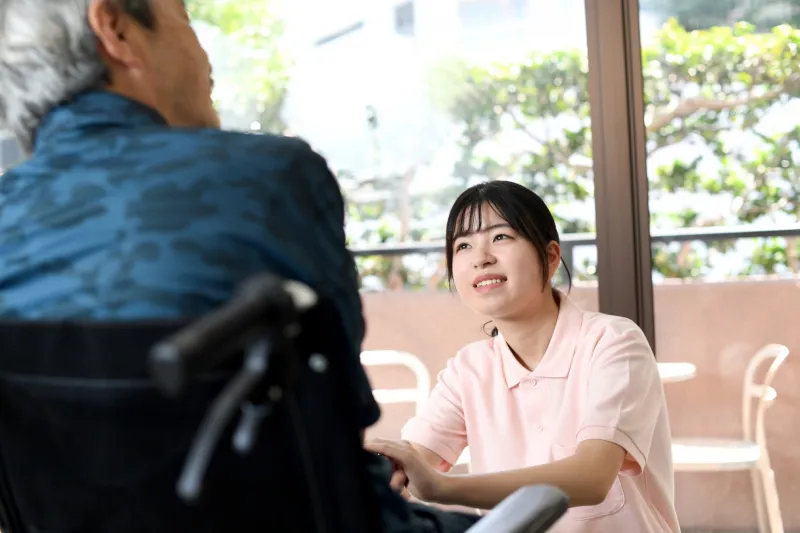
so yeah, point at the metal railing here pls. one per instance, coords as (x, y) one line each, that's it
(570, 241)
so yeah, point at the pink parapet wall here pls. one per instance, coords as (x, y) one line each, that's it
(716, 326)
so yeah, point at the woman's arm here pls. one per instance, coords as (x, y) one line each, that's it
(432, 458)
(399, 479)
(585, 478)
(439, 432)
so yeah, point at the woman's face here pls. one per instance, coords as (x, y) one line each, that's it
(497, 273)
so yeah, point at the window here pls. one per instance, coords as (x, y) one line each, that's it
(476, 13)
(404, 18)
(723, 165)
(499, 89)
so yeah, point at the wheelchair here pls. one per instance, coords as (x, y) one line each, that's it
(240, 421)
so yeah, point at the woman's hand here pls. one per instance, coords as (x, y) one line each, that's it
(424, 482)
(399, 481)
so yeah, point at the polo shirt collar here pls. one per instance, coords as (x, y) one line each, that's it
(558, 357)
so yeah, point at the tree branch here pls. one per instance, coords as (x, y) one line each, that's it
(690, 106)
(562, 154)
(521, 126)
(681, 135)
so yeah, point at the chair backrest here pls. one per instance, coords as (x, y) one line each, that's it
(760, 391)
(88, 444)
(422, 388)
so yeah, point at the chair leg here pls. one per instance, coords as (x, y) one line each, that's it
(772, 500)
(760, 503)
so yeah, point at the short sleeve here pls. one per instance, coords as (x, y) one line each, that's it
(440, 427)
(625, 396)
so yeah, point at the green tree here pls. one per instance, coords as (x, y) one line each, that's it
(263, 63)
(703, 14)
(529, 121)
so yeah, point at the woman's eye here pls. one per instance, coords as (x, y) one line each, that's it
(501, 236)
(461, 246)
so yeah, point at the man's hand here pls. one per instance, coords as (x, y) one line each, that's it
(424, 482)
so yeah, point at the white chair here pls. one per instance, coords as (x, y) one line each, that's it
(749, 453)
(418, 395)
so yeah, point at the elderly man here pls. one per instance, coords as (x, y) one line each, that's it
(133, 203)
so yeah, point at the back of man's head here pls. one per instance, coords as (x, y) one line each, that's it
(53, 50)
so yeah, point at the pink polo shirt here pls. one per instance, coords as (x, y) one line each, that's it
(597, 380)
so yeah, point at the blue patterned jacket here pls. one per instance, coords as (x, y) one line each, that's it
(117, 216)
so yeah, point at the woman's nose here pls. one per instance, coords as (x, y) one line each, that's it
(483, 260)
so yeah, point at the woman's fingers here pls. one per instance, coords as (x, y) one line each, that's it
(399, 480)
(423, 479)
(397, 450)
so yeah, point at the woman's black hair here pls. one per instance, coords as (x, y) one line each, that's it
(520, 207)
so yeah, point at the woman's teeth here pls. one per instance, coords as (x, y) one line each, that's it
(489, 282)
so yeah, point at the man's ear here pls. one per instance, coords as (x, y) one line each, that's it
(117, 33)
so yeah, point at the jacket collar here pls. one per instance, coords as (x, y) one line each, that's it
(92, 111)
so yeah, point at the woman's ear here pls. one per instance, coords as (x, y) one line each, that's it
(553, 259)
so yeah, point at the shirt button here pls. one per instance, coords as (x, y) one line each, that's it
(539, 428)
(534, 382)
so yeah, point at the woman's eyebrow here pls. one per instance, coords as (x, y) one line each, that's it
(482, 230)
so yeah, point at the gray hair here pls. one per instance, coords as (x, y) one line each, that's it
(48, 55)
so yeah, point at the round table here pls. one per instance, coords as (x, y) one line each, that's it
(675, 372)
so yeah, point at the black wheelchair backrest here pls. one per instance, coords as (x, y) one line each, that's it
(89, 444)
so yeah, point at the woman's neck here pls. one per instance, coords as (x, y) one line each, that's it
(529, 336)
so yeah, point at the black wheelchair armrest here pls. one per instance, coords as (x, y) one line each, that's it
(532, 509)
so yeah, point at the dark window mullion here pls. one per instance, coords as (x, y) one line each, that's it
(624, 261)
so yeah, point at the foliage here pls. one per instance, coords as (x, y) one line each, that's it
(710, 96)
(703, 14)
(718, 151)
(255, 27)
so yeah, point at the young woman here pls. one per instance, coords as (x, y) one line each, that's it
(557, 395)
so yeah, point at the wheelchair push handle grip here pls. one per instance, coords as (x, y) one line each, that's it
(263, 302)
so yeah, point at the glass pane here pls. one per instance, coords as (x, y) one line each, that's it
(723, 144)
(412, 102)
